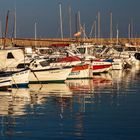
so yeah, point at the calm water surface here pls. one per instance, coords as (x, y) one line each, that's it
(105, 108)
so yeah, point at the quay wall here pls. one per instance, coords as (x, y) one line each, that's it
(50, 41)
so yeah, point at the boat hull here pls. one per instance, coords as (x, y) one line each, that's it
(50, 75)
(20, 79)
(117, 64)
(81, 72)
(100, 67)
(5, 82)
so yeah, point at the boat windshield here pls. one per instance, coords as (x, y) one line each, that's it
(82, 50)
(45, 51)
(119, 49)
(44, 63)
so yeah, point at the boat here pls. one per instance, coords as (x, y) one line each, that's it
(66, 58)
(13, 60)
(10, 58)
(43, 72)
(80, 70)
(98, 65)
(15, 79)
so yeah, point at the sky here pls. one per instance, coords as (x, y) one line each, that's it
(46, 15)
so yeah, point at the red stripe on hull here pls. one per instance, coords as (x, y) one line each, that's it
(77, 68)
(69, 59)
(96, 67)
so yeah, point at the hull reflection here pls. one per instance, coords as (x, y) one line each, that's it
(51, 89)
(80, 85)
(14, 102)
(102, 80)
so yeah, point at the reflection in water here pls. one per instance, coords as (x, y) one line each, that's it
(13, 102)
(81, 109)
(80, 85)
(42, 92)
(102, 80)
(57, 89)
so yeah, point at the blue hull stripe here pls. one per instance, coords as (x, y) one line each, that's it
(23, 85)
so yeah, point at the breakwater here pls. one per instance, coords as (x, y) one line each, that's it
(51, 41)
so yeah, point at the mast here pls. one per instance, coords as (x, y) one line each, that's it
(35, 33)
(99, 20)
(79, 21)
(93, 28)
(61, 23)
(91, 31)
(129, 31)
(6, 29)
(117, 36)
(84, 31)
(15, 24)
(95, 33)
(70, 26)
(131, 28)
(111, 32)
(0, 32)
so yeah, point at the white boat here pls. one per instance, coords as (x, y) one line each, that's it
(42, 72)
(67, 57)
(98, 65)
(17, 79)
(80, 70)
(10, 58)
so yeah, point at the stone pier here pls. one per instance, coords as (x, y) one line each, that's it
(51, 41)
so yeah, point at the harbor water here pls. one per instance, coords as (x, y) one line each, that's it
(104, 108)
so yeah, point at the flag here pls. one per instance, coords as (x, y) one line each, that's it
(77, 34)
